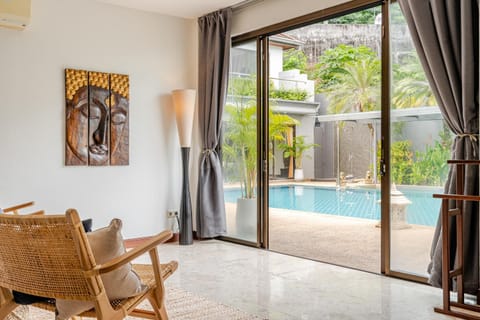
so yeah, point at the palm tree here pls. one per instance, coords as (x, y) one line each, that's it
(297, 150)
(278, 126)
(358, 88)
(412, 88)
(241, 145)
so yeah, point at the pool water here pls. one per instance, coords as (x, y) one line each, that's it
(349, 202)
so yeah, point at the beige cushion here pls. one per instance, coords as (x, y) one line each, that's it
(106, 244)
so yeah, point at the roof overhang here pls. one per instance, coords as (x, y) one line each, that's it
(410, 114)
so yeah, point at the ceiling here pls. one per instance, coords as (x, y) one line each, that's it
(179, 8)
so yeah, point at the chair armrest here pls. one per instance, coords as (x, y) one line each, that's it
(18, 207)
(135, 252)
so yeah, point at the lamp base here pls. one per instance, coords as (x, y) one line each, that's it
(186, 223)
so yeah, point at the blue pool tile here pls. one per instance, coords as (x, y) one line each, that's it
(350, 202)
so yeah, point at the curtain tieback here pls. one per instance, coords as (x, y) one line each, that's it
(207, 152)
(473, 140)
(472, 136)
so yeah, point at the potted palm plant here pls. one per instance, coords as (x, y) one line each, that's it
(240, 150)
(297, 151)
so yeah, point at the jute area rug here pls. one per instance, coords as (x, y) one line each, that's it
(181, 305)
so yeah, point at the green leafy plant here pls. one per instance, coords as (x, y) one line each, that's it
(333, 61)
(401, 162)
(294, 59)
(295, 95)
(243, 88)
(358, 89)
(431, 167)
(296, 150)
(366, 16)
(240, 147)
(427, 167)
(411, 86)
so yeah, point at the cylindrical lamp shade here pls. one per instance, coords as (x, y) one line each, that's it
(184, 103)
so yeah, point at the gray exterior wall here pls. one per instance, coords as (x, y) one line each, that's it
(355, 147)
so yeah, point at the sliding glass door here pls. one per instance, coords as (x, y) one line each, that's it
(333, 143)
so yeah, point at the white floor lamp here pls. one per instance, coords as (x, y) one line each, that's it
(184, 103)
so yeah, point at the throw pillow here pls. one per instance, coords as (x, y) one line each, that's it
(106, 244)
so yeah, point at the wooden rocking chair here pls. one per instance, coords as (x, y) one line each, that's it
(50, 256)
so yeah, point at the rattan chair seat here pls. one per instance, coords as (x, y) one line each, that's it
(146, 274)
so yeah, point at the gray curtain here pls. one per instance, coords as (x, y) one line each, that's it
(445, 33)
(214, 57)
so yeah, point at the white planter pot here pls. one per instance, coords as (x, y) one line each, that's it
(298, 174)
(246, 218)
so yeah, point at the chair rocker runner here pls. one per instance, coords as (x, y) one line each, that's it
(50, 256)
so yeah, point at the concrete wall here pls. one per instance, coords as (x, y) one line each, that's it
(157, 52)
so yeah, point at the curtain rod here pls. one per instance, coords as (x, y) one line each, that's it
(244, 4)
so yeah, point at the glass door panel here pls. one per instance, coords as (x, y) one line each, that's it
(325, 84)
(419, 148)
(239, 149)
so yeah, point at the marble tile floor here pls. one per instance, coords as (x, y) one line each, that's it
(277, 286)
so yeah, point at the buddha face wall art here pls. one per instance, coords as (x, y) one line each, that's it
(96, 118)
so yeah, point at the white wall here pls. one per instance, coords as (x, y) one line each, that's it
(159, 53)
(268, 12)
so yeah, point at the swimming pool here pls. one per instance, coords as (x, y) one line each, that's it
(350, 202)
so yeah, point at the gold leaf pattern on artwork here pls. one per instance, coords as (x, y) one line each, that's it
(74, 80)
(120, 84)
(98, 79)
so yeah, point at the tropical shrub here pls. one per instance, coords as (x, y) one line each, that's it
(430, 167)
(366, 16)
(401, 162)
(245, 87)
(333, 61)
(295, 94)
(294, 59)
(427, 167)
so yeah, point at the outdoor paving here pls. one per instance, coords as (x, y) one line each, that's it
(345, 241)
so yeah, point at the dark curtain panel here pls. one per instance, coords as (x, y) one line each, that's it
(445, 33)
(213, 58)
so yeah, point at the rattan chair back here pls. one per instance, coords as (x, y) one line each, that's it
(40, 255)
